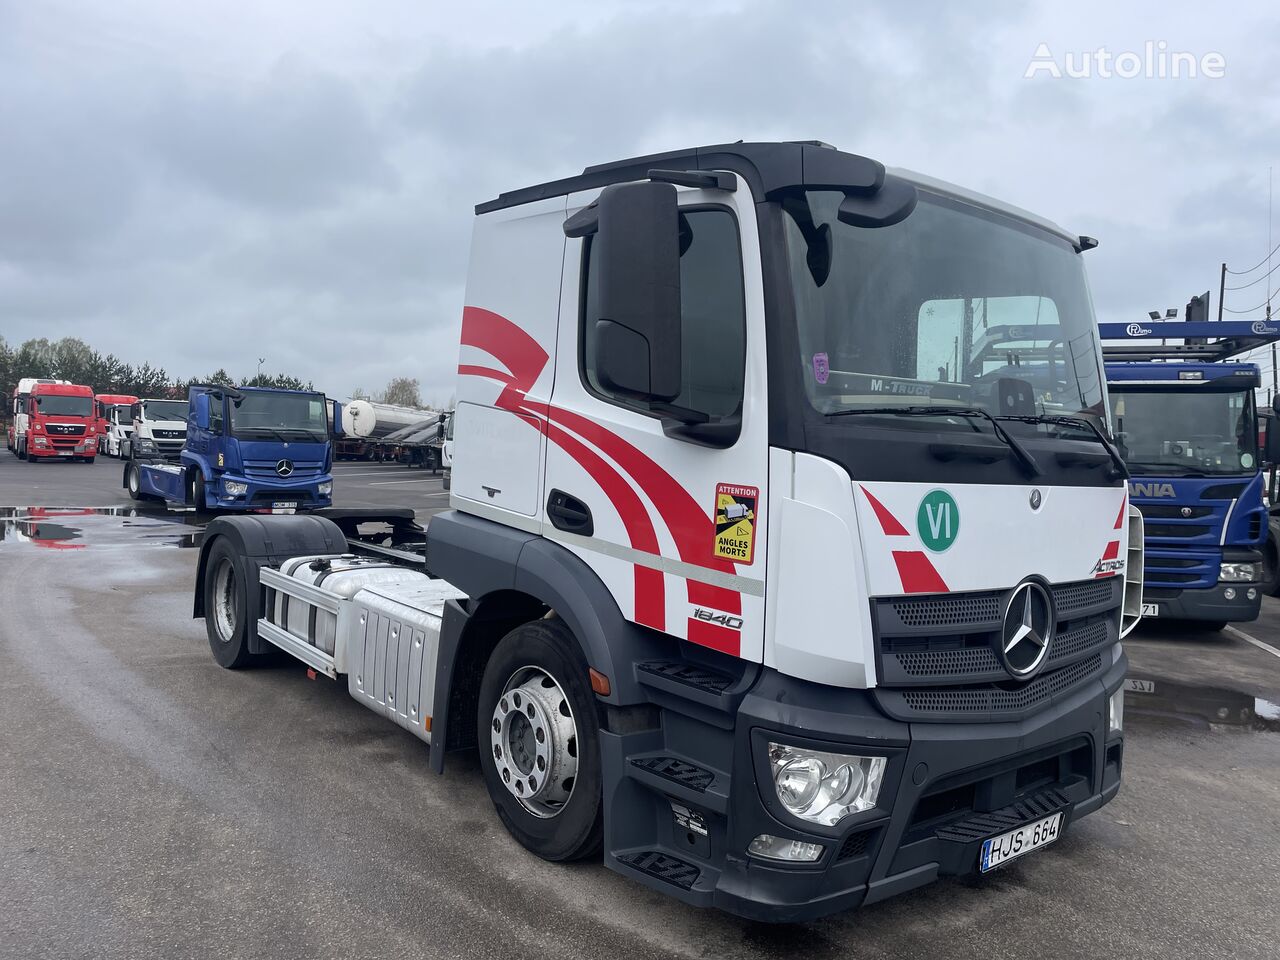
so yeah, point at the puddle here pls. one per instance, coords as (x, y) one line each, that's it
(78, 528)
(1198, 705)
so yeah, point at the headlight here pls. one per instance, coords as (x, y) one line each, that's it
(325, 488)
(1116, 711)
(824, 787)
(235, 488)
(41, 442)
(1237, 572)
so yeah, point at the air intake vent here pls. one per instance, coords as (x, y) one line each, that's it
(1222, 491)
(948, 611)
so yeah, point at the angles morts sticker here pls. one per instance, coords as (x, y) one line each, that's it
(735, 519)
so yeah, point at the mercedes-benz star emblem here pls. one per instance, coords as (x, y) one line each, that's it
(1035, 499)
(1028, 628)
(284, 468)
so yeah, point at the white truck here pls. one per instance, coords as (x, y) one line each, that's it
(900, 659)
(163, 422)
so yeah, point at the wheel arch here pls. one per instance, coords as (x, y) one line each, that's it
(513, 577)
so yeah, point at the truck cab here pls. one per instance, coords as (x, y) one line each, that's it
(59, 423)
(789, 556)
(114, 413)
(1187, 426)
(162, 424)
(249, 449)
(822, 444)
(20, 414)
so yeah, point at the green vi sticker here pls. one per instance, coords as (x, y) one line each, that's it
(938, 520)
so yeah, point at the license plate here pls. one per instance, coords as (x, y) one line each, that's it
(1151, 609)
(1011, 845)
(1134, 685)
(279, 507)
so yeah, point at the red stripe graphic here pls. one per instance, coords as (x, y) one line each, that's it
(481, 330)
(888, 522)
(691, 528)
(1120, 516)
(917, 573)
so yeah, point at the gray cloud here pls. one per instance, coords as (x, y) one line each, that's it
(202, 185)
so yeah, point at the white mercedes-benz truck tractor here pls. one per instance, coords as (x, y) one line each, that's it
(788, 556)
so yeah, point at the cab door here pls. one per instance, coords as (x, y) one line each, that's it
(672, 524)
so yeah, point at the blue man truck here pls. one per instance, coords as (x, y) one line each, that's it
(1186, 424)
(248, 449)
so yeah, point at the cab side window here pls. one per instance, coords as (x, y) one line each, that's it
(713, 320)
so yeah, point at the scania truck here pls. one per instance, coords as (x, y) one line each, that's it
(1187, 426)
(788, 555)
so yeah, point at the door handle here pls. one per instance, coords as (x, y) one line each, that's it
(569, 514)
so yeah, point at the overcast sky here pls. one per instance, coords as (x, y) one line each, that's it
(202, 184)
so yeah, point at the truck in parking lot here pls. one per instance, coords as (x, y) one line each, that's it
(246, 449)
(57, 422)
(162, 424)
(20, 409)
(1186, 424)
(114, 414)
(785, 633)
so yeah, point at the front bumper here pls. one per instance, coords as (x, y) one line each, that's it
(64, 451)
(264, 494)
(1206, 603)
(947, 787)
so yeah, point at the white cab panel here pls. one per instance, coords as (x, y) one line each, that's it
(819, 622)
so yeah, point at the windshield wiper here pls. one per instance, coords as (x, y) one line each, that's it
(1022, 453)
(1107, 445)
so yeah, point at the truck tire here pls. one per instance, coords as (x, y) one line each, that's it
(226, 617)
(133, 482)
(539, 738)
(447, 482)
(22, 451)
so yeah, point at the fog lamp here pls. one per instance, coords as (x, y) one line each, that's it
(1229, 593)
(325, 488)
(235, 488)
(780, 848)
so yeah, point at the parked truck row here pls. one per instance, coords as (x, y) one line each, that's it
(788, 555)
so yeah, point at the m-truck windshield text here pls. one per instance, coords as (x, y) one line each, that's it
(694, 382)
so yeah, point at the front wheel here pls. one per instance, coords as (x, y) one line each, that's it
(539, 739)
(133, 482)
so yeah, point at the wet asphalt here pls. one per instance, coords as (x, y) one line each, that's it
(154, 805)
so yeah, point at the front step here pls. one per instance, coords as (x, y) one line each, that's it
(662, 866)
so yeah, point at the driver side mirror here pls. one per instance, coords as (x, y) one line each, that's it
(637, 349)
(202, 411)
(1271, 440)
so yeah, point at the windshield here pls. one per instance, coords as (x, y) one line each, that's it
(59, 406)
(1167, 433)
(276, 416)
(164, 410)
(954, 306)
(119, 410)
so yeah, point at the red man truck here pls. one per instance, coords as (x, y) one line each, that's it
(60, 423)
